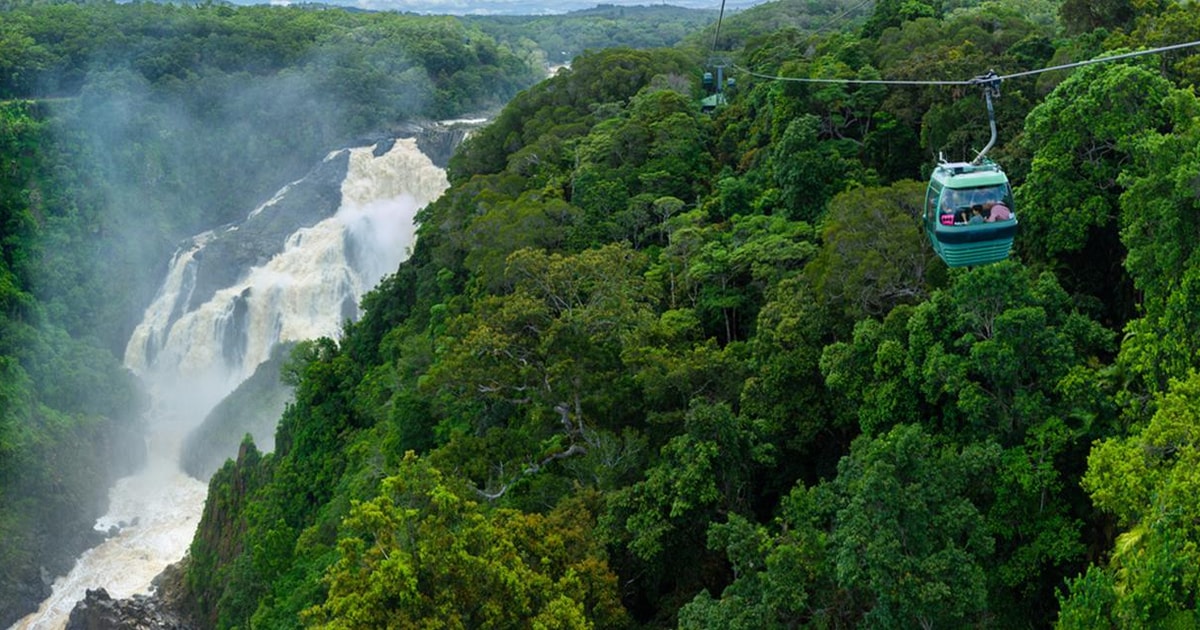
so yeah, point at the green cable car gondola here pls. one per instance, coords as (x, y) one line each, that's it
(968, 213)
(968, 205)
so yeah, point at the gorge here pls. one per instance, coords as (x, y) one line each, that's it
(294, 269)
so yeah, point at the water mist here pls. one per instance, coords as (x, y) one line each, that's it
(196, 343)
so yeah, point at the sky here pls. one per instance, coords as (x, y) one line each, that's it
(518, 7)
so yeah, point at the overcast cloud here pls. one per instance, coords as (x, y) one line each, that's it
(518, 7)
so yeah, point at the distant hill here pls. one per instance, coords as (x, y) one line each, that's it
(561, 37)
(524, 7)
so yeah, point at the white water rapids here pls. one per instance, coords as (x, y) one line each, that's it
(298, 294)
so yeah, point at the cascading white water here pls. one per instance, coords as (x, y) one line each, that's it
(300, 293)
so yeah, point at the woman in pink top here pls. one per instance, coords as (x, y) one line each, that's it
(996, 212)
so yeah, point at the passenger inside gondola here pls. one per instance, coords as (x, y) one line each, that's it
(996, 211)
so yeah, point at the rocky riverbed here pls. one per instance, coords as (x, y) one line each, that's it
(163, 609)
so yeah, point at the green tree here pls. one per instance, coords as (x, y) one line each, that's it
(68, 409)
(656, 147)
(907, 533)
(808, 172)
(734, 263)
(1147, 481)
(1082, 139)
(551, 348)
(506, 226)
(706, 470)
(782, 573)
(873, 255)
(892, 13)
(785, 391)
(1157, 211)
(1001, 357)
(422, 555)
(1082, 17)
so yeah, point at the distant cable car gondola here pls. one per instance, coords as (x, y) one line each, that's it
(969, 214)
(714, 88)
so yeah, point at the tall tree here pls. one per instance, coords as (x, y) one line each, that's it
(424, 555)
(1080, 16)
(1147, 481)
(550, 350)
(1082, 139)
(906, 531)
(1158, 227)
(1001, 357)
(893, 13)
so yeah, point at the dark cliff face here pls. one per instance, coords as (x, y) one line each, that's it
(440, 143)
(235, 249)
(253, 408)
(219, 537)
(173, 605)
(437, 140)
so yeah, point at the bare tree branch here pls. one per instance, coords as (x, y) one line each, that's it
(531, 469)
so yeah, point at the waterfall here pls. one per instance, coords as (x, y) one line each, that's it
(197, 340)
(305, 291)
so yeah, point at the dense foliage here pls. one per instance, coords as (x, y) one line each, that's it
(725, 336)
(649, 367)
(186, 116)
(125, 128)
(68, 410)
(557, 39)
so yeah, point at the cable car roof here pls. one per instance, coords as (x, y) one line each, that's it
(967, 175)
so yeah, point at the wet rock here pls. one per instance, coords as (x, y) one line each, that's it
(439, 143)
(99, 611)
(236, 248)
